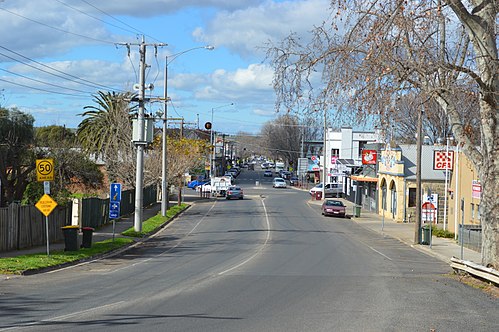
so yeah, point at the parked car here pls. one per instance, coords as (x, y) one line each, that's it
(267, 173)
(293, 181)
(279, 183)
(331, 190)
(332, 207)
(196, 183)
(234, 192)
(286, 175)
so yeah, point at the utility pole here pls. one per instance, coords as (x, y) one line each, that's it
(417, 226)
(141, 141)
(139, 172)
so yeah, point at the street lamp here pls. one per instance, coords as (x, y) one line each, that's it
(164, 182)
(212, 163)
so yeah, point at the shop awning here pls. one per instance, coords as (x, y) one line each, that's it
(363, 178)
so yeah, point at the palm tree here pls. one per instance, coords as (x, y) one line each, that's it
(106, 131)
(107, 125)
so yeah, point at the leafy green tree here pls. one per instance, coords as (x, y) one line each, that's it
(17, 159)
(54, 136)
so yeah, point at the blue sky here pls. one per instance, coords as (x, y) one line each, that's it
(78, 38)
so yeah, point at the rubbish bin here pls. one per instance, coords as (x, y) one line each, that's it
(356, 211)
(70, 238)
(87, 237)
(426, 235)
(318, 195)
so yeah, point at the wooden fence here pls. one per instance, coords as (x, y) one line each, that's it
(24, 226)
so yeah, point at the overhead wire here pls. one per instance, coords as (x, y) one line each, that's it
(76, 78)
(43, 82)
(94, 17)
(56, 28)
(40, 89)
(118, 20)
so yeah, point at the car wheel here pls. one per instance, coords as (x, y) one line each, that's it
(241, 197)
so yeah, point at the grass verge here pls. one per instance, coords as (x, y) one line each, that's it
(24, 263)
(21, 264)
(152, 224)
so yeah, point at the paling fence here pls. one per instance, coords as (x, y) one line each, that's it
(23, 226)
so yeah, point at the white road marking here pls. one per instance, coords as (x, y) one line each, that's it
(259, 250)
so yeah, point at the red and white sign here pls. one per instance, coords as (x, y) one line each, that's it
(369, 157)
(476, 189)
(429, 213)
(333, 159)
(443, 160)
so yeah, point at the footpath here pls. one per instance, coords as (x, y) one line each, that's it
(441, 248)
(106, 231)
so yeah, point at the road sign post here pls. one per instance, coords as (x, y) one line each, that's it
(46, 205)
(114, 203)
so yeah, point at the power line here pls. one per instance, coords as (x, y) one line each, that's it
(39, 81)
(76, 79)
(56, 28)
(118, 20)
(93, 17)
(40, 89)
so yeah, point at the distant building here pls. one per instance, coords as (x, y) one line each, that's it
(344, 153)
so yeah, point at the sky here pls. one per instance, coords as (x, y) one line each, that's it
(56, 54)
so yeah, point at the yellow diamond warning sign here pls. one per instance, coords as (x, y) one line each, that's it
(46, 205)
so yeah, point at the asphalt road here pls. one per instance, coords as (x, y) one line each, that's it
(269, 262)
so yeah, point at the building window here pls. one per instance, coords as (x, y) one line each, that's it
(335, 152)
(412, 197)
(478, 212)
(362, 144)
(472, 211)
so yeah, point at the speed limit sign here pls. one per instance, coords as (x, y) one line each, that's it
(44, 170)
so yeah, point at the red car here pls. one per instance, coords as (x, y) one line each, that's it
(332, 207)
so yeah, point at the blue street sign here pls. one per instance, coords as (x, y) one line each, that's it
(115, 192)
(114, 210)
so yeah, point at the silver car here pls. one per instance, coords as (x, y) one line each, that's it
(279, 183)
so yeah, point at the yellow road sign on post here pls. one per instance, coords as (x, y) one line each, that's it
(44, 170)
(46, 205)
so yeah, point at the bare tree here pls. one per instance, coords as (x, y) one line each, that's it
(184, 155)
(392, 48)
(282, 138)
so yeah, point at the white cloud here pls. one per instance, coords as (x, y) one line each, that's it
(266, 112)
(251, 84)
(244, 31)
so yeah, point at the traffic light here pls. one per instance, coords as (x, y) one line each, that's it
(207, 125)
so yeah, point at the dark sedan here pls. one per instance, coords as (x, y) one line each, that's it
(234, 192)
(332, 207)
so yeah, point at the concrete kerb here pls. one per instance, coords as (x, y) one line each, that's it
(117, 251)
(442, 249)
